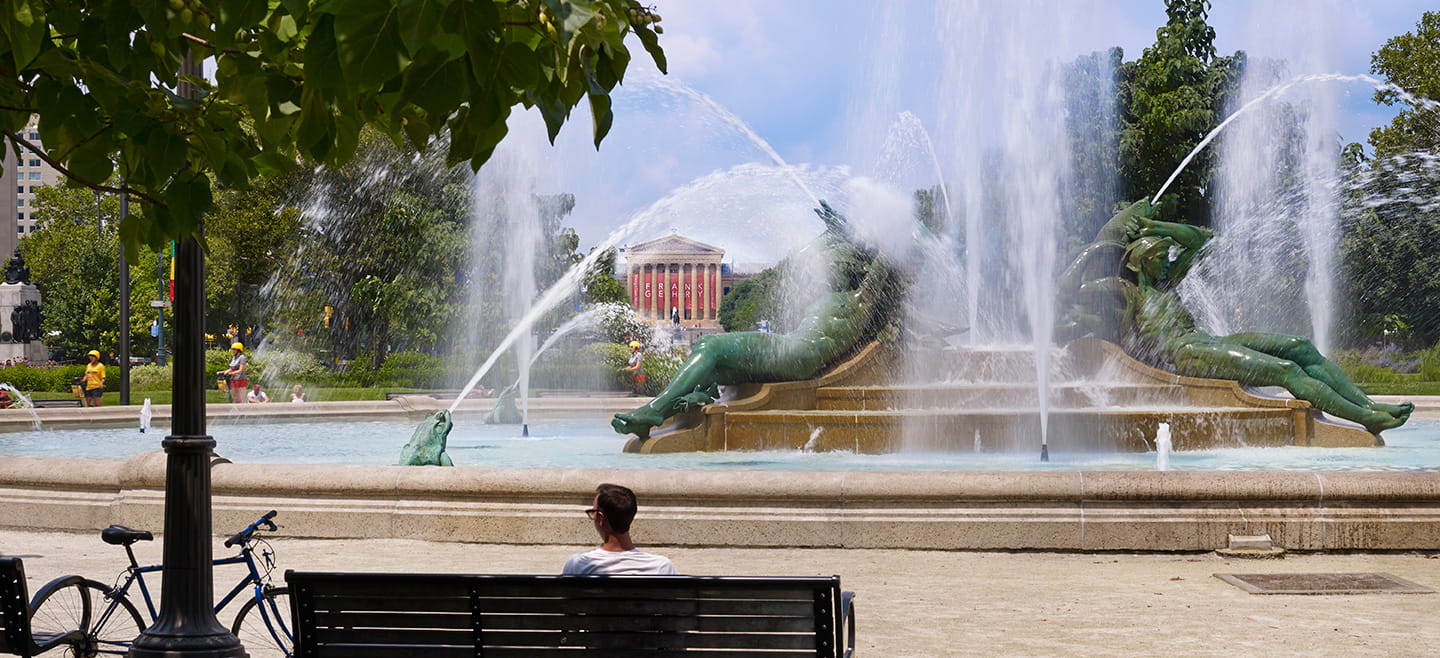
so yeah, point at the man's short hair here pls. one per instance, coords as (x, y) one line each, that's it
(618, 505)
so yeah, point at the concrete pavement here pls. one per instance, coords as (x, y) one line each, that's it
(943, 603)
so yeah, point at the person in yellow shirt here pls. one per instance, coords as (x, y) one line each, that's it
(94, 380)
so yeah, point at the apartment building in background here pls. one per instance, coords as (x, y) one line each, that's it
(24, 173)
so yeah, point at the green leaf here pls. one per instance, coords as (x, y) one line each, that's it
(601, 117)
(188, 198)
(367, 36)
(651, 41)
(519, 66)
(165, 151)
(434, 83)
(322, 58)
(91, 162)
(315, 135)
(23, 22)
(271, 163)
(420, 22)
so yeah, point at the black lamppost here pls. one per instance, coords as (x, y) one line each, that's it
(187, 625)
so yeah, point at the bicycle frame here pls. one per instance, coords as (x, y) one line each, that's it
(136, 575)
(252, 581)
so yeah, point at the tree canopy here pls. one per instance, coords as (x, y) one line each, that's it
(1172, 96)
(293, 79)
(1409, 61)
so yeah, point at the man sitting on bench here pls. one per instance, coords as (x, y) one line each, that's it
(613, 510)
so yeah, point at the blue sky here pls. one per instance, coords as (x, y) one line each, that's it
(799, 73)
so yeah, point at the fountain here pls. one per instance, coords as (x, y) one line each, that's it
(988, 390)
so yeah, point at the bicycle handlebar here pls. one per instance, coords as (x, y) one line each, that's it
(244, 535)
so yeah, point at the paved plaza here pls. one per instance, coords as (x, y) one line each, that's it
(946, 603)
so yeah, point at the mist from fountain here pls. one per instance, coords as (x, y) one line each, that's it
(22, 401)
(1278, 218)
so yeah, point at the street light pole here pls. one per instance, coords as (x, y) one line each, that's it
(124, 312)
(187, 625)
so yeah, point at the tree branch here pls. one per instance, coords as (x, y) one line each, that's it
(21, 141)
(197, 40)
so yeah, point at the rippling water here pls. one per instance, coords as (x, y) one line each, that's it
(588, 443)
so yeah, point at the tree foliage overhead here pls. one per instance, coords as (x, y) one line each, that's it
(293, 78)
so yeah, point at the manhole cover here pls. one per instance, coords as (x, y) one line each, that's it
(1323, 583)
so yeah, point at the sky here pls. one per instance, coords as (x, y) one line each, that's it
(821, 82)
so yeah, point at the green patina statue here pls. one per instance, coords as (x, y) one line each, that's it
(1122, 287)
(833, 326)
(427, 444)
(505, 412)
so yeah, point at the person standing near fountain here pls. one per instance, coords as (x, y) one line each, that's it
(636, 367)
(94, 379)
(239, 378)
(612, 511)
(1159, 330)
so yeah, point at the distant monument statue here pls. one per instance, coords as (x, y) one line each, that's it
(16, 271)
(1122, 288)
(25, 322)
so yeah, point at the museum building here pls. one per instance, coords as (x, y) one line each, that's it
(675, 278)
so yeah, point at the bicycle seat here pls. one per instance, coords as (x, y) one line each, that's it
(120, 535)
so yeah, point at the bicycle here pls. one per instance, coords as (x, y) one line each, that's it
(262, 624)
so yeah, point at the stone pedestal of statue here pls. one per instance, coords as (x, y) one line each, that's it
(20, 316)
(15, 296)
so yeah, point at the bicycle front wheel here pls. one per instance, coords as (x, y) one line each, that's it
(113, 625)
(263, 626)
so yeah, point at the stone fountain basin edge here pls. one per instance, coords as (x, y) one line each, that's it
(1083, 510)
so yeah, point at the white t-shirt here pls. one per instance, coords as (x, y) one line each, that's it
(633, 562)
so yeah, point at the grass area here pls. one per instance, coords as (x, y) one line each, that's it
(213, 396)
(1402, 388)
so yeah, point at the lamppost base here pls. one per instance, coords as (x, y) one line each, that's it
(221, 645)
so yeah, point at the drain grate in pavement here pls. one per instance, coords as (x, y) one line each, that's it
(1323, 583)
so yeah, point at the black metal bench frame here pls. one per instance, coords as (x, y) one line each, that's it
(16, 636)
(56, 403)
(435, 615)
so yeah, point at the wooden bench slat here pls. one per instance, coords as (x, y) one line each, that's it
(646, 607)
(388, 587)
(396, 635)
(643, 639)
(716, 624)
(383, 619)
(523, 652)
(533, 616)
(351, 650)
(376, 603)
(623, 587)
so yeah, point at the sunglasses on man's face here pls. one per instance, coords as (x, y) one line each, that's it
(591, 512)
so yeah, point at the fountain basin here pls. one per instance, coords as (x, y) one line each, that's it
(1077, 510)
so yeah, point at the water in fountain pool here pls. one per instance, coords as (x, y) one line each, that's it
(585, 443)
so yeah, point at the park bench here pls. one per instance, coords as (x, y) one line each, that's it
(16, 636)
(390, 614)
(438, 395)
(63, 402)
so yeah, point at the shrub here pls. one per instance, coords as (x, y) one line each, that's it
(291, 367)
(1358, 369)
(26, 378)
(1430, 364)
(661, 366)
(618, 324)
(413, 370)
(150, 378)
